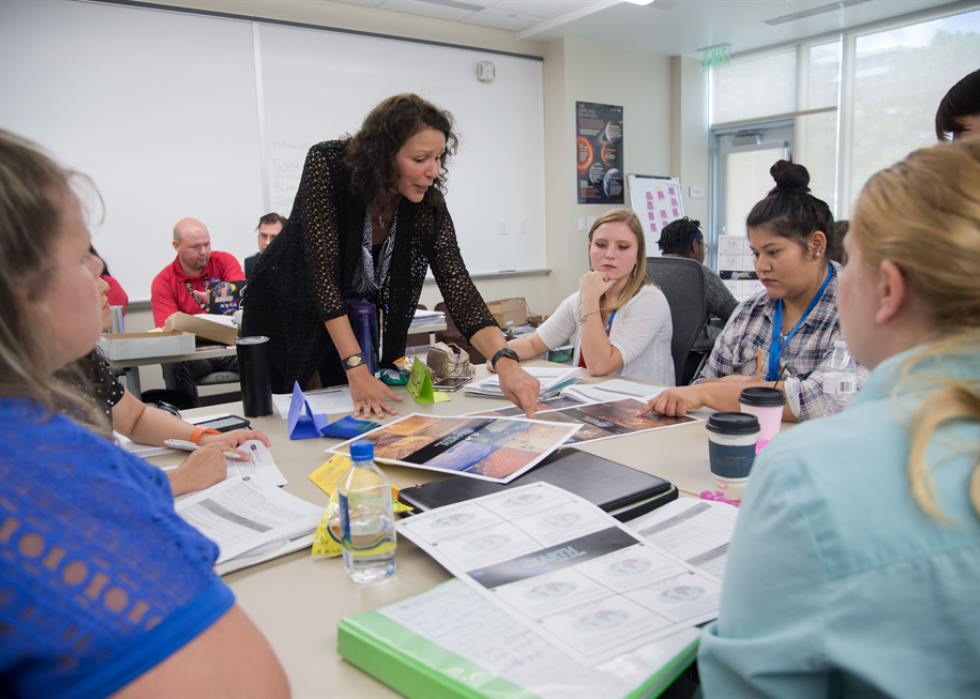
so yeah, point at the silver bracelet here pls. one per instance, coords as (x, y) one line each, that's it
(586, 315)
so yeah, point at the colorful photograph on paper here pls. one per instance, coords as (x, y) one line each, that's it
(497, 449)
(555, 403)
(611, 419)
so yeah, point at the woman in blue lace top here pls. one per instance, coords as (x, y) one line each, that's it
(103, 588)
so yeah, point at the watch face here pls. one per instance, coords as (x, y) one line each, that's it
(356, 360)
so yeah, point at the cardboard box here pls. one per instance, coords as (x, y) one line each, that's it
(141, 345)
(202, 327)
(509, 312)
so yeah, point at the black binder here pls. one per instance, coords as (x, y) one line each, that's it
(621, 491)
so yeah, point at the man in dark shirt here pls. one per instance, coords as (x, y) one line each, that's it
(269, 227)
(683, 238)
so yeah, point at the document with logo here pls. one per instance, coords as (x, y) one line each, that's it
(566, 569)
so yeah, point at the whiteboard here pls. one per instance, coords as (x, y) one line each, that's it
(159, 109)
(657, 201)
(175, 114)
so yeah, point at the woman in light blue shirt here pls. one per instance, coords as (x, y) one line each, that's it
(855, 564)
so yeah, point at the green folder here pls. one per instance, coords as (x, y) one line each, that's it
(420, 667)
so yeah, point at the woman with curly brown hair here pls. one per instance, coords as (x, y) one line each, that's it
(369, 218)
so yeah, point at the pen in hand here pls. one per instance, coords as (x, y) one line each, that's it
(190, 446)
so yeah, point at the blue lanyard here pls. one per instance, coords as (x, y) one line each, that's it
(609, 324)
(777, 346)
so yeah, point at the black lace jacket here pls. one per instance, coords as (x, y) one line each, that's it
(304, 276)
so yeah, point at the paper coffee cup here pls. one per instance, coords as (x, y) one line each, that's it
(767, 405)
(731, 448)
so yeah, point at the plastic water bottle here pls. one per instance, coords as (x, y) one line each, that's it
(367, 520)
(840, 383)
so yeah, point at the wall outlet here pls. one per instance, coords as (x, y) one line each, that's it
(503, 228)
(581, 223)
(696, 192)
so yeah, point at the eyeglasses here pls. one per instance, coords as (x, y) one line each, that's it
(704, 246)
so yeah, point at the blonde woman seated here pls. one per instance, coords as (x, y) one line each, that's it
(622, 318)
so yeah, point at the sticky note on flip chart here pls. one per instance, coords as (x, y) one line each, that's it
(660, 195)
(676, 212)
(649, 195)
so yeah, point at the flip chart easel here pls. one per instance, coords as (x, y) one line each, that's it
(657, 201)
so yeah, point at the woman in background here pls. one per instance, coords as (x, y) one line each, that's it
(106, 591)
(854, 565)
(116, 294)
(145, 424)
(622, 317)
(784, 336)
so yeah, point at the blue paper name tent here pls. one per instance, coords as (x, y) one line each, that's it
(303, 424)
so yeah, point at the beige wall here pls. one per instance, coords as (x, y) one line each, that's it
(689, 132)
(582, 71)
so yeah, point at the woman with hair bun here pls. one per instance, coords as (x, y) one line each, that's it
(784, 336)
(368, 220)
(622, 317)
(853, 570)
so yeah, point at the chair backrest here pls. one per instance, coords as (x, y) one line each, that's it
(682, 282)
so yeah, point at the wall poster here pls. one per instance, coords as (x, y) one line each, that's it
(599, 153)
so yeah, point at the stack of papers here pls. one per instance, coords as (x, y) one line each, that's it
(250, 521)
(427, 318)
(325, 401)
(613, 390)
(553, 380)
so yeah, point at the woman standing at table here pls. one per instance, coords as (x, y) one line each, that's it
(783, 336)
(106, 591)
(853, 570)
(622, 318)
(367, 221)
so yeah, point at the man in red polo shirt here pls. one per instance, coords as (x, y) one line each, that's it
(185, 285)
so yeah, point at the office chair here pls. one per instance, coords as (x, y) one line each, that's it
(682, 282)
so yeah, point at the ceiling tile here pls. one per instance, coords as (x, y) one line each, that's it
(492, 17)
(544, 9)
(363, 3)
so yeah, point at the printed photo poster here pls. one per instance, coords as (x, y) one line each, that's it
(599, 153)
(611, 419)
(491, 449)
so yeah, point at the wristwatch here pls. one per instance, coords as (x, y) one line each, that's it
(352, 361)
(505, 352)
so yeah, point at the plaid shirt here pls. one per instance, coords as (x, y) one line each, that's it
(804, 361)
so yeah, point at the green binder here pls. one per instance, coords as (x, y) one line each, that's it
(481, 636)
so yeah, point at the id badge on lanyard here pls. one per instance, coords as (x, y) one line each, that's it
(777, 346)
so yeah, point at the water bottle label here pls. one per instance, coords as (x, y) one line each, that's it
(845, 385)
(344, 513)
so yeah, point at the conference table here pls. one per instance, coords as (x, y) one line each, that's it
(297, 601)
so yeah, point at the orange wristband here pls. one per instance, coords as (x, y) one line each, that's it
(198, 431)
